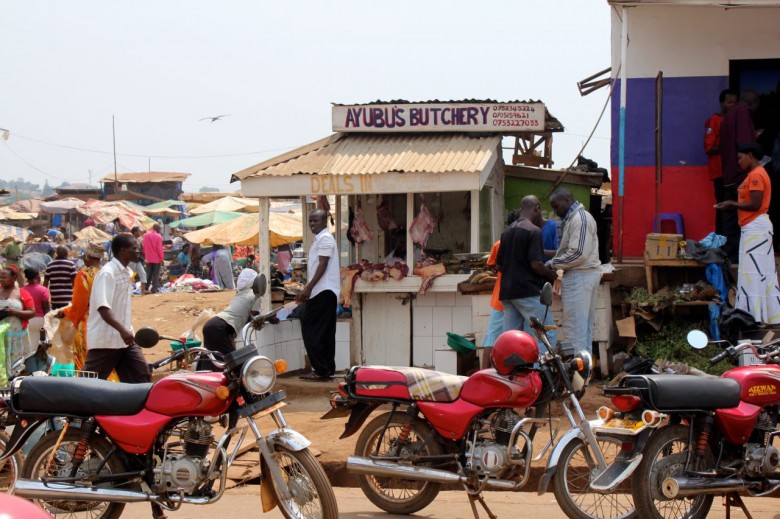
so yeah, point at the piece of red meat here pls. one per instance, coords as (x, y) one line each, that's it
(422, 226)
(360, 231)
(427, 274)
(385, 217)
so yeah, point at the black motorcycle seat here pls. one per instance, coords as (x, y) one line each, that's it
(80, 396)
(685, 392)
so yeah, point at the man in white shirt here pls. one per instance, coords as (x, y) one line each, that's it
(318, 322)
(110, 341)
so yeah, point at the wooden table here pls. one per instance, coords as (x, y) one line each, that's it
(651, 266)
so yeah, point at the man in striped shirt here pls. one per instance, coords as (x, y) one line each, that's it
(59, 278)
(578, 258)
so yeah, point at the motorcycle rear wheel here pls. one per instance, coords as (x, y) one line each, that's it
(9, 469)
(98, 450)
(391, 494)
(571, 484)
(312, 494)
(665, 455)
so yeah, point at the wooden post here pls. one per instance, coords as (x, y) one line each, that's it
(264, 251)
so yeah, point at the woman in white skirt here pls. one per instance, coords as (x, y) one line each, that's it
(757, 284)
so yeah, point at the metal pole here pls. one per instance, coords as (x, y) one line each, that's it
(659, 155)
(113, 132)
(622, 129)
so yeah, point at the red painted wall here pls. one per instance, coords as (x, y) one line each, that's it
(685, 189)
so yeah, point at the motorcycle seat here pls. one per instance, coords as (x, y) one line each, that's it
(685, 392)
(80, 396)
(407, 383)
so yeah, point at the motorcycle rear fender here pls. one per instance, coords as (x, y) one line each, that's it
(22, 431)
(358, 416)
(288, 439)
(552, 461)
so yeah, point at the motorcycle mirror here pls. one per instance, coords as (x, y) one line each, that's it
(546, 296)
(260, 285)
(147, 337)
(697, 339)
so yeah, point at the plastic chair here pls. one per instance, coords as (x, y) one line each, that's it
(677, 218)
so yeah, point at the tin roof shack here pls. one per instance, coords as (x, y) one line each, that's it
(384, 162)
(143, 188)
(702, 47)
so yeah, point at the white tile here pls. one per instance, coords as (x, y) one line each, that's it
(422, 354)
(428, 299)
(445, 298)
(461, 320)
(422, 321)
(442, 321)
(446, 361)
(462, 300)
(481, 305)
(342, 330)
(342, 355)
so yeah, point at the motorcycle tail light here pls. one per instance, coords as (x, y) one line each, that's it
(605, 413)
(280, 365)
(652, 418)
(626, 403)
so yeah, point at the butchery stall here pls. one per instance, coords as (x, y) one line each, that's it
(416, 194)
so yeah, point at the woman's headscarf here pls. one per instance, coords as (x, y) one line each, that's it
(245, 279)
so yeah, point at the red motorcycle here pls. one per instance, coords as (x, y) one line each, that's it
(126, 443)
(444, 429)
(715, 437)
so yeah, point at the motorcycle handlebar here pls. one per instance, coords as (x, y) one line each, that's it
(720, 356)
(185, 352)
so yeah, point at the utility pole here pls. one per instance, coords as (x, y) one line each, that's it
(113, 132)
(90, 178)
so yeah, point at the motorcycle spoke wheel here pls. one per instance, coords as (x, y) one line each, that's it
(571, 484)
(38, 466)
(312, 496)
(665, 455)
(9, 469)
(393, 494)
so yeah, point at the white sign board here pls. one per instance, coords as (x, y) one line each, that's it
(440, 117)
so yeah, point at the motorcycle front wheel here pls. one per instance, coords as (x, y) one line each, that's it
(393, 494)
(46, 460)
(571, 484)
(665, 456)
(9, 469)
(311, 495)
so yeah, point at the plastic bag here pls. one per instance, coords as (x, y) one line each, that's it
(62, 335)
(191, 334)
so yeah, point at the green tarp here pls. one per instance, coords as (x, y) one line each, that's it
(203, 220)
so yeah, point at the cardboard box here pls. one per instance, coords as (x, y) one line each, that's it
(662, 246)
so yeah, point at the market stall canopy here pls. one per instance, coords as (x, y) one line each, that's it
(11, 231)
(366, 163)
(6, 213)
(142, 178)
(92, 234)
(202, 220)
(229, 203)
(284, 229)
(64, 206)
(27, 206)
(130, 215)
(163, 211)
(165, 208)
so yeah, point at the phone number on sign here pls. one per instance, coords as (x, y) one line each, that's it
(521, 108)
(529, 123)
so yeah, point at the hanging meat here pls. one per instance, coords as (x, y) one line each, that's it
(360, 231)
(422, 226)
(385, 217)
(368, 271)
(428, 271)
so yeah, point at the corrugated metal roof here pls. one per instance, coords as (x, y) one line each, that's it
(359, 154)
(551, 123)
(152, 176)
(729, 4)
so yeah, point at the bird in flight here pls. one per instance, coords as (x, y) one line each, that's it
(214, 118)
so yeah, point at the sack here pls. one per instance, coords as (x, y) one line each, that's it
(736, 323)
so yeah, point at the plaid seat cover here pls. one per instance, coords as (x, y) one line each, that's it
(431, 386)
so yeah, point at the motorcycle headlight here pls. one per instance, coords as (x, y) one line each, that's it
(258, 375)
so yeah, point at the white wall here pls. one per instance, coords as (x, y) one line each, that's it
(688, 41)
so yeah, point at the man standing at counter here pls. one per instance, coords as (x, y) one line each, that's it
(578, 258)
(318, 322)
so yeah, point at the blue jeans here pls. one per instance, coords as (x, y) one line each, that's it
(495, 328)
(578, 296)
(517, 316)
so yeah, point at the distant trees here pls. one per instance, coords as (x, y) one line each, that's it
(207, 189)
(19, 183)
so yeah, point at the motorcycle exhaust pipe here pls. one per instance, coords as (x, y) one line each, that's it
(35, 489)
(388, 469)
(673, 488)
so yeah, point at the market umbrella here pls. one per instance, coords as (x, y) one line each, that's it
(130, 215)
(202, 220)
(163, 211)
(284, 228)
(11, 231)
(6, 213)
(64, 206)
(229, 203)
(92, 234)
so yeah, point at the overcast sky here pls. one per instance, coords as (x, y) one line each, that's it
(275, 67)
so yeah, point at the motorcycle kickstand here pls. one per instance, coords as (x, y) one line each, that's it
(733, 499)
(478, 497)
(157, 512)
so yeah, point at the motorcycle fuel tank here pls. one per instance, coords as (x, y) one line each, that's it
(487, 388)
(188, 393)
(760, 385)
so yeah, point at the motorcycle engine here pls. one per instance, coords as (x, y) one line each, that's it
(489, 455)
(761, 460)
(184, 471)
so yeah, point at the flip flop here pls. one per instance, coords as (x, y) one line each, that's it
(313, 377)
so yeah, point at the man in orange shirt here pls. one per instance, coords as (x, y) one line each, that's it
(727, 98)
